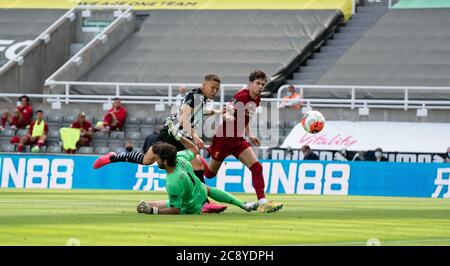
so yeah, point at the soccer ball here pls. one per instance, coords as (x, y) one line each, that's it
(313, 122)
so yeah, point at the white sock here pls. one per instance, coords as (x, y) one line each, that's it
(262, 201)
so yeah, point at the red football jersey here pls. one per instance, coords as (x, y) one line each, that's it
(86, 125)
(244, 108)
(27, 114)
(121, 114)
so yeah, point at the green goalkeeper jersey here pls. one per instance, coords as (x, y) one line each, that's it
(185, 190)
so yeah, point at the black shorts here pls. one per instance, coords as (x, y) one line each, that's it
(165, 137)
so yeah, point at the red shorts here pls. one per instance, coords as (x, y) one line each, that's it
(19, 124)
(221, 148)
(32, 141)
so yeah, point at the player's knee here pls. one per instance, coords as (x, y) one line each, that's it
(256, 168)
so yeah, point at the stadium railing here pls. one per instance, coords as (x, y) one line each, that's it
(119, 88)
(120, 13)
(405, 102)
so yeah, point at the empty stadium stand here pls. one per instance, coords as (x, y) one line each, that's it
(182, 46)
(366, 15)
(405, 47)
(20, 25)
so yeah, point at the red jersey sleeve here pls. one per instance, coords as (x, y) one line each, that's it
(87, 126)
(121, 115)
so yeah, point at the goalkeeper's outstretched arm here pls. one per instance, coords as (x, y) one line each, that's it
(179, 136)
(189, 145)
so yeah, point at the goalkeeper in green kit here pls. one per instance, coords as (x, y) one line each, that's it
(187, 194)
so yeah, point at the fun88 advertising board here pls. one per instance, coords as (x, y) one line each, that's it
(281, 176)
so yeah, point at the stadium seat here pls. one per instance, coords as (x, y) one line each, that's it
(133, 121)
(148, 120)
(54, 149)
(146, 130)
(130, 128)
(55, 119)
(53, 134)
(118, 149)
(22, 132)
(100, 135)
(133, 135)
(117, 135)
(8, 132)
(69, 119)
(54, 127)
(115, 143)
(86, 150)
(7, 148)
(101, 150)
(99, 143)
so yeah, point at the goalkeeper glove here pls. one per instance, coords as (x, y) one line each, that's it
(172, 130)
(144, 207)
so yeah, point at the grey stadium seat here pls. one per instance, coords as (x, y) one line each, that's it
(148, 120)
(117, 135)
(115, 143)
(99, 143)
(54, 119)
(86, 150)
(130, 128)
(118, 149)
(133, 135)
(53, 134)
(7, 148)
(54, 149)
(8, 132)
(146, 130)
(22, 132)
(100, 135)
(133, 121)
(69, 119)
(101, 150)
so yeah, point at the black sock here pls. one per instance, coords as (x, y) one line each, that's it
(199, 174)
(129, 157)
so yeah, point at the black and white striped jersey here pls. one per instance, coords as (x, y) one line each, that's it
(196, 101)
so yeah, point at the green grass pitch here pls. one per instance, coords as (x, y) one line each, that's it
(99, 217)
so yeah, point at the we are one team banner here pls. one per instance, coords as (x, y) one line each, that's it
(291, 177)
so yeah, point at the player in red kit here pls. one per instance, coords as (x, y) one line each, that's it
(229, 138)
(21, 117)
(115, 118)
